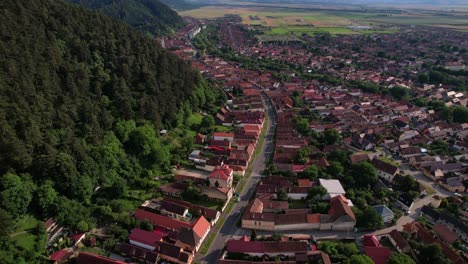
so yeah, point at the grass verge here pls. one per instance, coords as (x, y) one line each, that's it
(207, 244)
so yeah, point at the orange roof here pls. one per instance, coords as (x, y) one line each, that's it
(313, 218)
(257, 206)
(222, 134)
(340, 207)
(304, 183)
(201, 226)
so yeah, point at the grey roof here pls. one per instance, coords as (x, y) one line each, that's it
(383, 210)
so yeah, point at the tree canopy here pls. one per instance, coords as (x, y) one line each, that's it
(149, 16)
(82, 100)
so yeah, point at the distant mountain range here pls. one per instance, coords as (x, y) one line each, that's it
(150, 16)
(367, 2)
(181, 4)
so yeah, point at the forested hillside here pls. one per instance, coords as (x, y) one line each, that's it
(82, 99)
(149, 16)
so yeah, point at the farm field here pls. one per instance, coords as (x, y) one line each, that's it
(280, 20)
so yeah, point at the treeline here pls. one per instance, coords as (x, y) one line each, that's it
(82, 100)
(149, 16)
(438, 75)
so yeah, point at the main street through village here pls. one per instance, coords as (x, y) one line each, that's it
(229, 227)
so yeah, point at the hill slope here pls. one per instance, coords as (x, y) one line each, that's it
(149, 16)
(81, 99)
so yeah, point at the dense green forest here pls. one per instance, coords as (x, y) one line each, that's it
(82, 100)
(150, 16)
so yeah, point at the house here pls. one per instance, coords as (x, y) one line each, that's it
(405, 202)
(196, 176)
(77, 238)
(152, 256)
(222, 176)
(144, 239)
(61, 256)
(221, 136)
(445, 234)
(222, 194)
(408, 135)
(270, 248)
(342, 216)
(201, 228)
(160, 220)
(447, 220)
(296, 251)
(333, 188)
(200, 138)
(421, 234)
(210, 214)
(399, 242)
(174, 210)
(173, 189)
(358, 157)
(455, 184)
(304, 183)
(86, 258)
(373, 249)
(385, 212)
(173, 253)
(385, 170)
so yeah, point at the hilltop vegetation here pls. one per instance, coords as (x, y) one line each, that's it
(80, 111)
(149, 16)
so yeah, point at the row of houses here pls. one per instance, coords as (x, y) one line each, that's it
(265, 212)
(283, 251)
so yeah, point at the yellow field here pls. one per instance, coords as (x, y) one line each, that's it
(281, 20)
(271, 17)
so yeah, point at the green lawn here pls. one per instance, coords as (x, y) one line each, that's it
(389, 160)
(194, 119)
(208, 204)
(297, 204)
(219, 128)
(207, 243)
(26, 241)
(26, 223)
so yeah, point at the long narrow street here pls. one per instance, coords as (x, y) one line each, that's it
(229, 227)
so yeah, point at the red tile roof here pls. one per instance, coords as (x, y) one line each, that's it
(144, 237)
(201, 226)
(61, 255)
(87, 258)
(265, 246)
(160, 220)
(371, 241)
(445, 234)
(304, 183)
(379, 255)
(222, 134)
(339, 207)
(221, 172)
(313, 218)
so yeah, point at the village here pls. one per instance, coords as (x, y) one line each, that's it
(348, 161)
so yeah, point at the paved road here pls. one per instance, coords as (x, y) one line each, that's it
(418, 175)
(229, 229)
